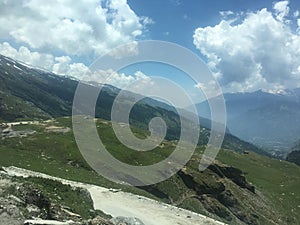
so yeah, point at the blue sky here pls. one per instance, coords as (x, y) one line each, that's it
(176, 20)
(248, 45)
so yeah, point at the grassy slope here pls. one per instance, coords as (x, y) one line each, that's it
(57, 154)
(278, 180)
(30, 93)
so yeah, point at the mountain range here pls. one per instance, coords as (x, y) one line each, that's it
(241, 187)
(31, 93)
(270, 121)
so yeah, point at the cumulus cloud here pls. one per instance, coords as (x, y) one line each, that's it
(120, 80)
(209, 89)
(281, 9)
(74, 28)
(226, 13)
(23, 54)
(259, 52)
(56, 31)
(64, 65)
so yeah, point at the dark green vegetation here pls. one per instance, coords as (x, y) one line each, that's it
(294, 157)
(220, 191)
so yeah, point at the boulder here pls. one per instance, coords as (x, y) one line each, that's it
(126, 221)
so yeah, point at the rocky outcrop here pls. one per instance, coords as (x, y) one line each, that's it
(126, 221)
(198, 182)
(8, 132)
(25, 204)
(234, 174)
(212, 205)
(214, 192)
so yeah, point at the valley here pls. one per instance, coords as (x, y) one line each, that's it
(244, 185)
(138, 112)
(225, 197)
(268, 120)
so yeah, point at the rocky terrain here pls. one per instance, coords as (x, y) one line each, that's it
(221, 192)
(23, 203)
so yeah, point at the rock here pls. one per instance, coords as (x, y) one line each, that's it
(227, 198)
(47, 222)
(234, 174)
(33, 211)
(33, 196)
(202, 183)
(98, 221)
(213, 206)
(126, 221)
(21, 202)
(10, 213)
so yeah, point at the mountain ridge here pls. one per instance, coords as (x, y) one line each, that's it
(52, 95)
(270, 121)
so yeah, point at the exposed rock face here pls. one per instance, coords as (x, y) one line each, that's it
(195, 181)
(36, 202)
(233, 174)
(98, 221)
(126, 221)
(213, 194)
(213, 206)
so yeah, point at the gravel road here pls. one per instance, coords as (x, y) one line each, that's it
(119, 203)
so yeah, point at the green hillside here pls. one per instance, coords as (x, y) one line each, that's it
(27, 93)
(268, 196)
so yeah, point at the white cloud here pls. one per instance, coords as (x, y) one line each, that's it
(226, 13)
(63, 65)
(57, 30)
(296, 14)
(281, 10)
(23, 54)
(60, 65)
(119, 80)
(209, 89)
(258, 52)
(74, 28)
(125, 50)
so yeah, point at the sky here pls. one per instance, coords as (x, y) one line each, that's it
(248, 45)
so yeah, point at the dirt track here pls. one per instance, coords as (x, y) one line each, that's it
(118, 203)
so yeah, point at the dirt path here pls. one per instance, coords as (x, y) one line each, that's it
(118, 203)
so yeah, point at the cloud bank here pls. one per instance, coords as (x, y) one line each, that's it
(261, 51)
(63, 66)
(50, 34)
(71, 27)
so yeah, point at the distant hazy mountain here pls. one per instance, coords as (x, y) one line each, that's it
(294, 155)
(271, 121)
(30, 93)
